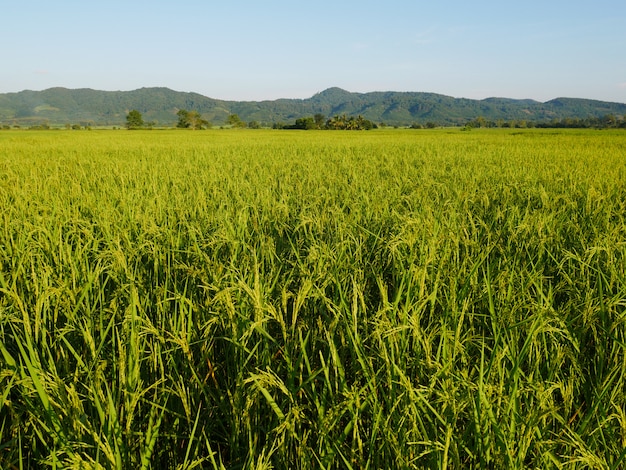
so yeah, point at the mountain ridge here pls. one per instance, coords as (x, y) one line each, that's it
(60, 105)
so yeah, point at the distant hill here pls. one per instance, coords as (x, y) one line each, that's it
(59, 106)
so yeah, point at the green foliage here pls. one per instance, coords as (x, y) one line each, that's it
(191, 120)
(235, 121)
(59, 105)
(310, 300)
(350, 123)
(134, 120)
(320, 120)
(342, 122)
(304, 123)
(608, 121)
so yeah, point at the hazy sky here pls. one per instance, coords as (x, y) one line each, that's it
(256, 50)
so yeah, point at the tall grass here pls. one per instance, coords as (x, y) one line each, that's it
(257, 299)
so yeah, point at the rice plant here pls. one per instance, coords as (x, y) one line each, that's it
(266, 299)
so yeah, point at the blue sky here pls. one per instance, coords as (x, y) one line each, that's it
(252, 50)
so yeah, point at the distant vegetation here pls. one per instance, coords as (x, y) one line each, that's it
(134, 120)
(191, 120)
(159, 107)
(319, 121)
(609, 121)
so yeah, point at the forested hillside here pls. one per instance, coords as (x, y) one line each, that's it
(61, 106)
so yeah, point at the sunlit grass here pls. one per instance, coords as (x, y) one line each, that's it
(257, 299)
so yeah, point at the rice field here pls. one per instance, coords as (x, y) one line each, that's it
(313, 300)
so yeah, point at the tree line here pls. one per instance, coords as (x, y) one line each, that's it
(608, 121)
(186, 120)
(338, 122)
(194, 120)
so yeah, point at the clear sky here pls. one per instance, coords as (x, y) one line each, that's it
(256, 50)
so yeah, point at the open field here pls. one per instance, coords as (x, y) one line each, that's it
(249, 299)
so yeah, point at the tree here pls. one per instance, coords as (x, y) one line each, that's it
(235, 121)
(134, 120)
(305, 123)
(609, 120)
(350, 123)
(191, 120)
(320, 120)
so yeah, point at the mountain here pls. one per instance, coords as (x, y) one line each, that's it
(59, 106)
